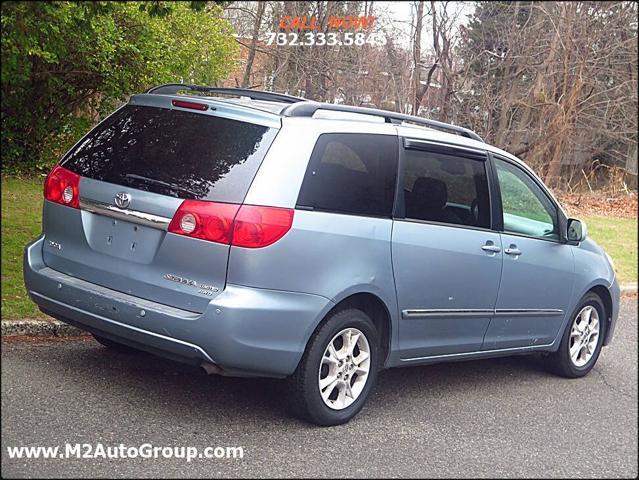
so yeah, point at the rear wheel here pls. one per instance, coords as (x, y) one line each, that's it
(118, 347)
(338, 369)
(582, 340)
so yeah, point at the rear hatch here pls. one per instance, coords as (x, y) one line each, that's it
(135, 170)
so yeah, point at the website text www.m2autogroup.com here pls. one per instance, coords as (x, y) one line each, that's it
(145, 451)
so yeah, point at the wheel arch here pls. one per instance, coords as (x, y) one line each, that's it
(599, 288)
(606, 298)
(378, 312)
(602, 289)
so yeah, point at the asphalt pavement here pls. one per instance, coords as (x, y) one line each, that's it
(503, 417)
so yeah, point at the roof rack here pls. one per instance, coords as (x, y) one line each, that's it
(300, 107)
(173, 88)
(308, 108)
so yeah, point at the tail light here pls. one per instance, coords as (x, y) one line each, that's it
(63, 186)
(257, 227)
(192, 105)
(205, 220)
(247, 226)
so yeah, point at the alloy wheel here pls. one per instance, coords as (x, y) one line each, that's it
(584, 336)
(344, 368)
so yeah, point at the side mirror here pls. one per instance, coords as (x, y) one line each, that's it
(576, 230)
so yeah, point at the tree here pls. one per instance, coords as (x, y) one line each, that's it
(261, 6)
(66, 64)
(553, 82)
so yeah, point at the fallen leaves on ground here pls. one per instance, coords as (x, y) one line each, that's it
(621, 205)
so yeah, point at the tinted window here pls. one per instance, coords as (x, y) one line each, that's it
(526, 208)
(351, 173)
(175, 153)
(444, 187)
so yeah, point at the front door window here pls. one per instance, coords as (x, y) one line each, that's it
(527, 210)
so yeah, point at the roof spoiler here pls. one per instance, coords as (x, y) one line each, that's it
(174, 88)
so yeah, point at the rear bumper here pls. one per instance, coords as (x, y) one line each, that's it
(245, 331)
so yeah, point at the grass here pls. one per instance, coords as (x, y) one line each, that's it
(618, 236)
(21, 223)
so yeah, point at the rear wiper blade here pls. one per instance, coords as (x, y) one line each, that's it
(153, 181)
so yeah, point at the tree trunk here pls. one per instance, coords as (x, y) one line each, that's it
(521, 134)
(417, 52)
(564, 116)
(631, 160)
(251, 53)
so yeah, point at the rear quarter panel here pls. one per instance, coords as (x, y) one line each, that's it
(324, 254)
(327, 254)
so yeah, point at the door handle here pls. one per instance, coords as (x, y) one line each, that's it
(513, 250)
(491, 248)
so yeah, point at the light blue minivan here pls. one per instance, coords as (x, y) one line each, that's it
(258, 234)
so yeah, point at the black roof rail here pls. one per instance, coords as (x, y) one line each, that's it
(173, 88)
(308, 108)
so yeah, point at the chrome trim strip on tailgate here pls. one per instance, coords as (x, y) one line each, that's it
(134, 216)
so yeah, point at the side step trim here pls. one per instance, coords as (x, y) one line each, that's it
(427, 313)
(479, 353)
(513, 312)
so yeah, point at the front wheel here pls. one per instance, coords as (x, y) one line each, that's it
(338, 369)
(582, 340)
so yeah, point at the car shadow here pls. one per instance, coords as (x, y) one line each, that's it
(185, 393)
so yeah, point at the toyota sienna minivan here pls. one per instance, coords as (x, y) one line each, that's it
(258, 234)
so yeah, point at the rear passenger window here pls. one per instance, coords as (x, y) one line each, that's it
(351, 173)
(446, 187)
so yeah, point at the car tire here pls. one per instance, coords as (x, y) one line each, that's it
(564, 362)
(320, 365)
(115, 346)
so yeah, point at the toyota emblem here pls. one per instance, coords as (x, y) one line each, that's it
(122, 199)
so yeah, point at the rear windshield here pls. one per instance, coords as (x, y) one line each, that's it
(174, 153)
